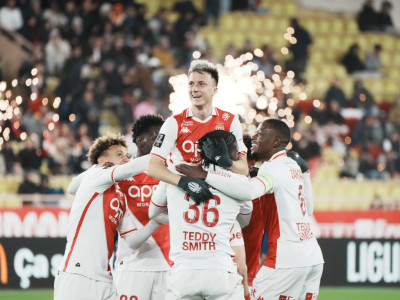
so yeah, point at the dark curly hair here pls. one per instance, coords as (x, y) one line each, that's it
(216, 136)
(143, 125)
(102, 144)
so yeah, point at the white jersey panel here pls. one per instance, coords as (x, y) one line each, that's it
(96, 212)
(296, 244)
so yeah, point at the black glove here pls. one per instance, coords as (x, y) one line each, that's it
(297, 158)
(196, 188)
(219, 155)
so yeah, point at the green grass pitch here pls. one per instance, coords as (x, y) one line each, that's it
(326, 293)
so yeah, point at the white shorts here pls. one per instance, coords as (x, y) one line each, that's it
(296, 283)
(142, 285)
(69, 286)
(200, 284)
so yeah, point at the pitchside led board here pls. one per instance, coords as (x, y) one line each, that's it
(360, 248)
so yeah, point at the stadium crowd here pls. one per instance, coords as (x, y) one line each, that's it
(105, 64)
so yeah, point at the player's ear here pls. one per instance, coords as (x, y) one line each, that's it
(139, 140)
(215, 91)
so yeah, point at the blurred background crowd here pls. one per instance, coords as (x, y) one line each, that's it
(93, 66)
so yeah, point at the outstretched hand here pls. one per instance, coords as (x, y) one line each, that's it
(192, 171)
(196, 188)
(218, 154)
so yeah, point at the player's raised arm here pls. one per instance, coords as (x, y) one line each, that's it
(133, 236)
(132, 168)
(156, 168)
(238, 186)
(158, 210)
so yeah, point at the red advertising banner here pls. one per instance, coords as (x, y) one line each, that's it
(369, 224)
(33, 222)
(52, 222)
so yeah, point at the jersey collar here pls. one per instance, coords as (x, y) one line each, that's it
(278, 154)
(189, 112)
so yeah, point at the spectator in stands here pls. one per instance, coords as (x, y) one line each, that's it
(389, 161)
(377, 203)
(352, 61)
(351, 164)
(28, 185)
(362, 98)
(300, 48)
(87, 111)
(367, 17)
(212, 12)
(32, 122)
(267, 61)
(164, 52)
(188, 16)
(55, 15)
(384, 20)
(10, 158)
(247, 47)
(57, 52)
(333, 113)
(368, 131)
(368, 166)
(33, 31)
(307, 147)
(336, 93)
(11, 16)
(30, 157)
(239, 5)
(373, 62)
(394, 114)
(43, 187)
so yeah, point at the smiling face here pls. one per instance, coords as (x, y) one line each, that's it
(202, 88)
(115, 154)
(267, 141)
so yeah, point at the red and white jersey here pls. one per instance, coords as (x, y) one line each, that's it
(97, 212)
(179, 134)
(291, 241)
(236, 235)
(200, 234)
(152, 255)
(252, 235)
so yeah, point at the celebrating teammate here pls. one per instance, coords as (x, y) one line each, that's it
(97, 212)
(200, 235)
(141, 272)
(294, 263)
(179, 134)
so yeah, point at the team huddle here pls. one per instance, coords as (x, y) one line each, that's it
(184, 219)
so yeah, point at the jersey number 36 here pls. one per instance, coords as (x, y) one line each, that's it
(209, 215)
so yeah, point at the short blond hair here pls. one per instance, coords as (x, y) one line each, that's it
(102, 144)
(201, 66)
